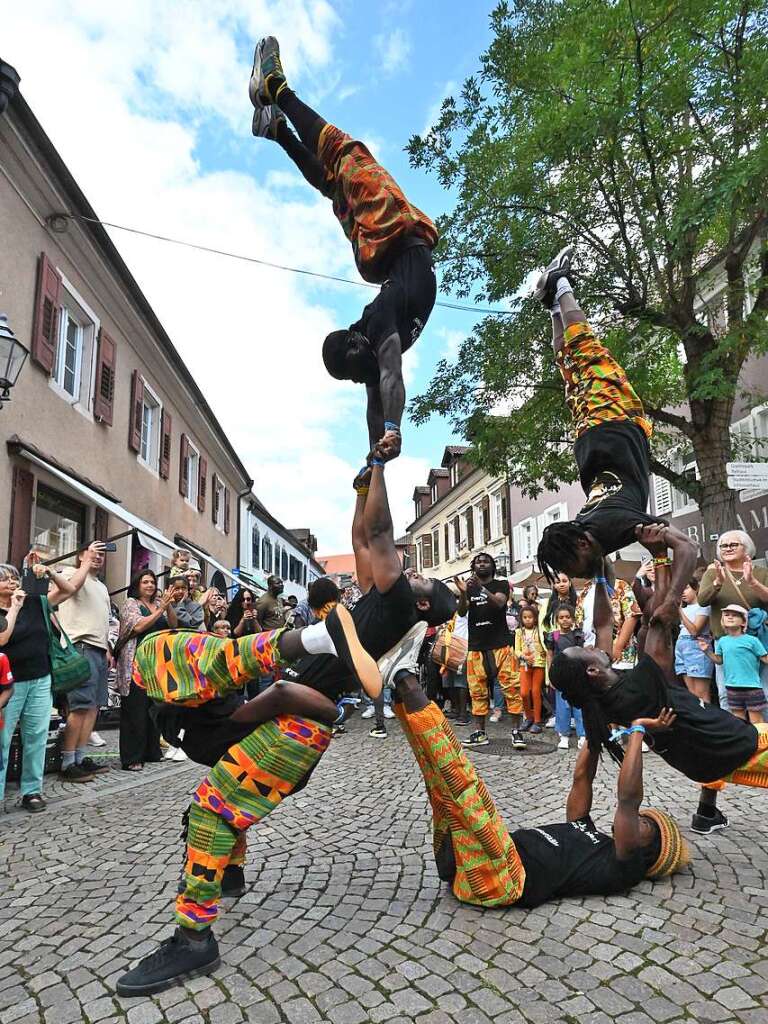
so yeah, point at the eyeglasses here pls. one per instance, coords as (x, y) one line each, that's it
(731, 544)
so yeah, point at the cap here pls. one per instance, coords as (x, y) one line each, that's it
(736, 608)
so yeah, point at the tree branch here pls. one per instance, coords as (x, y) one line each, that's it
(671, 419)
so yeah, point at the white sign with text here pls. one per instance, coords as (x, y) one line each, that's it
(747, 475)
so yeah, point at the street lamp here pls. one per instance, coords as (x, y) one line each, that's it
(12, 358)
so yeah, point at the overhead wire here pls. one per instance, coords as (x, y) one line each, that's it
(272, 265)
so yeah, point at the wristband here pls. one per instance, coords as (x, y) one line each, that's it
(634, 728)
(377, 462)
(606, 584)
(662, 561)
(362, 490)
(391, 426)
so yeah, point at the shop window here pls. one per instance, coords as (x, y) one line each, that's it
(59, 523)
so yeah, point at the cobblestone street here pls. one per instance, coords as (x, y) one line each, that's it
(346, 921)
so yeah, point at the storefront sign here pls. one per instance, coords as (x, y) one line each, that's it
(747, 475)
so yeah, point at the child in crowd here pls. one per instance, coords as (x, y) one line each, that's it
(222, 628)
(6, 688)
(740, 655)
(532, 657)
(180, 561)
(565, 635)
(690, 662)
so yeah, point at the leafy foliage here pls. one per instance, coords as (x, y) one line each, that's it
(637, 129)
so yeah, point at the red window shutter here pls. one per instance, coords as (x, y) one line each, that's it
(183, 464)
(214, 499)
(226, 510)
(21, 516)
(165, 444)
(201, 483)
(103, 402)
(46, 323)
(101, 524)
(137, 401)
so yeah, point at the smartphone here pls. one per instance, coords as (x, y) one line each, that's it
(110, 546)
(33, 585)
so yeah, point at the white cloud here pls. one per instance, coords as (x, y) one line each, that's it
(433, 113)
(134, 86)
(452, 343)
(394, 49)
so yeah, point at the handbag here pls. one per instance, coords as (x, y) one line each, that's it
(69, 668)
(449, 651)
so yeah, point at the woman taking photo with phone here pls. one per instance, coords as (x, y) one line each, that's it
(24, 640)
(144, 612)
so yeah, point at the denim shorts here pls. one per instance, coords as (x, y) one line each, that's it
(93, 693)
(691, 661)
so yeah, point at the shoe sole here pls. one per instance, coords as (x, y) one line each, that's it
(235, 894)
(482, 743)
(708, 832)
(161, 986)
(541, 285)
(366, 669)
(83, 778)
(253, 84)
(412, 641)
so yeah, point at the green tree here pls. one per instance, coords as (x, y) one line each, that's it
(638, 129)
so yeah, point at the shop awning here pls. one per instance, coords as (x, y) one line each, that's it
(148, 535)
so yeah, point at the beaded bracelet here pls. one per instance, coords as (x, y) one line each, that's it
(391, 426)
(662, 561)
(634, 728)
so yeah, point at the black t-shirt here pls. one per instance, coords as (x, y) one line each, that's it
(613, 460)
(27, 648)
(488, 629)
(705, 743)
(557, 642)
(380, 620)
(573, 858)
(204, 733)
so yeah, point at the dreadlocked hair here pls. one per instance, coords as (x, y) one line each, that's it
(569, 678)
(483, 554)
(556, 547)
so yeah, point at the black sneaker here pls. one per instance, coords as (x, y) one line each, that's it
(74, 773)
(476, 739)
(518, 742)
(378, 732)
(233, 882)
(175, 960)
(267, 74)
(94, 767)
(546, 286)
(349, 650)
(33, 802)
(704, 824)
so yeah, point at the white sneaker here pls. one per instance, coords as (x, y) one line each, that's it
(178, 755)
(388, 712)
(582, 742)
(563, 744)
(94, 740)
(550, 723)
(646, 748)
(369, 712)
(169, 754)
(404, 656)
(495, 715)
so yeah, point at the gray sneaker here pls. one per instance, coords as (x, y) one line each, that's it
(267, 72)
(546, 285)
(266, 121)
(404, 656)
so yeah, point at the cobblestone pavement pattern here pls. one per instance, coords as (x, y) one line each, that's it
(346, 921)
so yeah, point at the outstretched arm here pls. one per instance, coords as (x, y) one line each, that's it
(379, 532)
(658, 640)
(287, 698)
(579, 803)
(359, 536)
(626, 821)
(391, 389)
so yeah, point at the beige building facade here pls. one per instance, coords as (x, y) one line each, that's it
(107, 433)
(460, 511)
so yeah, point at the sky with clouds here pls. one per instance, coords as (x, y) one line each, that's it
(147, 103)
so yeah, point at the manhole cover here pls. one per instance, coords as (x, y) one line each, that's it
(504, 748)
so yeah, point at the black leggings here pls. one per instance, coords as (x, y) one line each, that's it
(303, 151)
(139, 734)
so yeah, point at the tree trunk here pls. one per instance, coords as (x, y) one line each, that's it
(712, 449)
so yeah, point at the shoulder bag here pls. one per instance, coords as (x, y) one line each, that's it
(69, 668)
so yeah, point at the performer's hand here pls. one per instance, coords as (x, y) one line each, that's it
(653, 536)
(665, 720)
(389, 445)
(461, 584)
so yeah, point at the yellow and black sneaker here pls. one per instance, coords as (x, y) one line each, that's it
(267, 76)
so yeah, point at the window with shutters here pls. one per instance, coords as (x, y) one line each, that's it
(456, 536)
(525, 540)
(219, 503)
(436, 546)
(192, 474)
(469, 516)
(266, 555)
(59, 523)
(497, 515)
(151, 429)
(284, 564)
(681, 502)
(74, 360)
(426, 551)
(447, 543)
(662, 496)
(255, 546)
(486, 507)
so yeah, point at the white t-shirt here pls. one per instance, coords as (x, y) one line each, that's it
(85, 617)
(692, 612)
(461, 627)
